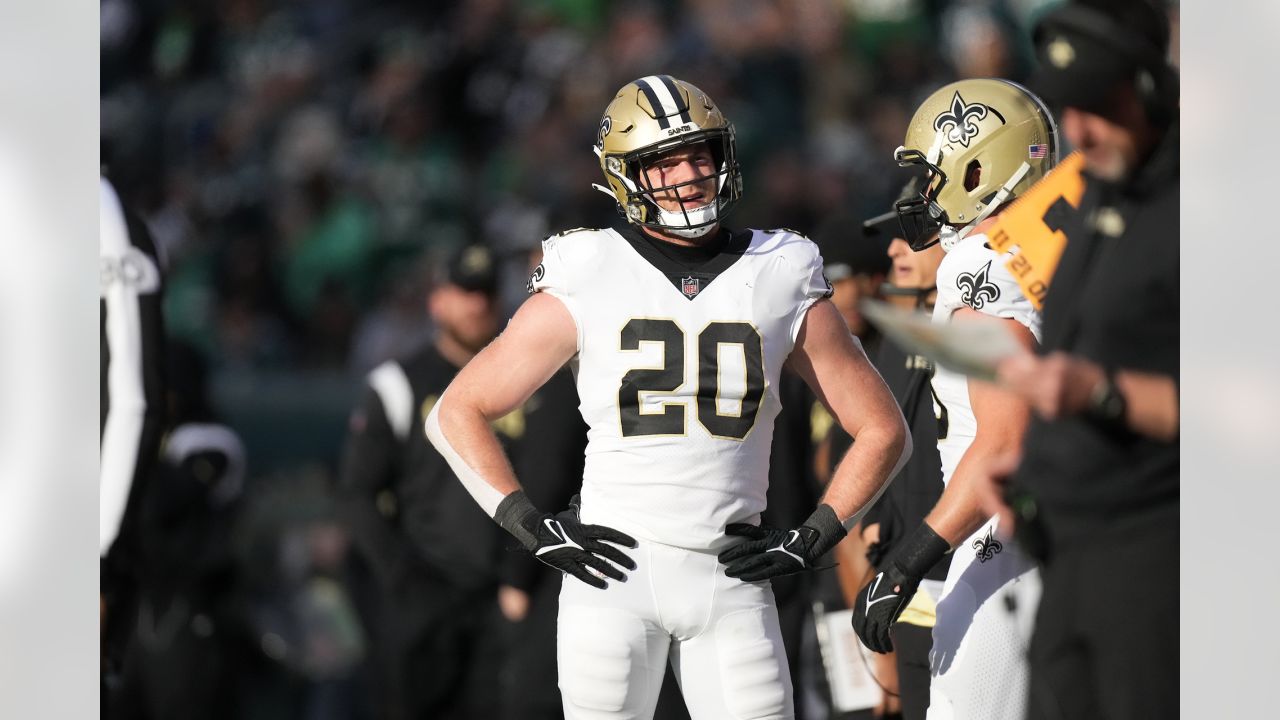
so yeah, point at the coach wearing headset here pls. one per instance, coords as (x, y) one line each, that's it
(1096, 491)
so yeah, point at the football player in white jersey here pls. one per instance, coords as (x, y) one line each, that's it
(676, 329)
(982, 143)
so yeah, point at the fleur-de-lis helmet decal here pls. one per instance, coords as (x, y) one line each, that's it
(960, 122)
(976, 288)
(978, 144)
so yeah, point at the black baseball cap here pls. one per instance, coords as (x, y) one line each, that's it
(473, 268)
(1078, 71)
(1086, 49)
(885, 226)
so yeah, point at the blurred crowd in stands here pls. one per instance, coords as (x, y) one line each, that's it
(300, 162)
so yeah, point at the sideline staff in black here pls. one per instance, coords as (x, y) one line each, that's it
(1097, 490)
(131, 376)
(432, 553)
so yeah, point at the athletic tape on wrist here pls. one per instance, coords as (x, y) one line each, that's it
(476, 486)
(830, 530)
(921, 550)
(512, 515)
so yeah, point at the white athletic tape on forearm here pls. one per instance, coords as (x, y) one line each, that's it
(480, 490)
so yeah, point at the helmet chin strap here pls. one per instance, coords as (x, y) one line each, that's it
(949, 236)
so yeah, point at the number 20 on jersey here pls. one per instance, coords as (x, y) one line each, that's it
(670, 376)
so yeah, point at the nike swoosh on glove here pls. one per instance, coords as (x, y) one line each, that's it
(879, 605)
(769, 552)
(883, 599)
(562, 541)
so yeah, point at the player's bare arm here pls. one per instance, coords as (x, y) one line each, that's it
(838, 371)
(1001, 418)
(538, 341)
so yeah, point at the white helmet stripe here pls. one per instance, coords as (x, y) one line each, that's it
(660, 96)
(681, 106)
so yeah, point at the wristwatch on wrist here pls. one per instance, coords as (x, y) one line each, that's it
(1106, 404)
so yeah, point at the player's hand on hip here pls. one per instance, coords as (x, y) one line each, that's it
(882, 600)
(586, 552)
(562, 541)
(769, 552)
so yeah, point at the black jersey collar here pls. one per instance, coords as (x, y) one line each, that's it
(690, 269)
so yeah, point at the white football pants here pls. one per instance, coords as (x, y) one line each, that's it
(720, 634)
(979, 658)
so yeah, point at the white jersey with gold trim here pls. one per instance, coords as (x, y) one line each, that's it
(972, 275)
(678, 381)
(977, 665)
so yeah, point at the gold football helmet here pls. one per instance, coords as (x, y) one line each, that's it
(984, 142)
(648, 118)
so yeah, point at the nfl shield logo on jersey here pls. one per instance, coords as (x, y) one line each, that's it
(690, 286)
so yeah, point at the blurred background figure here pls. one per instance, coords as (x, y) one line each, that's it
(427, 555)
(1097, 491)
(189, 643)
(131, 378)
(856, 271)
(911, 283)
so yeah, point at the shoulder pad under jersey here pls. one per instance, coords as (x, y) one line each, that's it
(774, 231)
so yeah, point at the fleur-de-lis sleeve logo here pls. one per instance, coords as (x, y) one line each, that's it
(987, 546)
(976, 288)
(537, 275)
(960, 123)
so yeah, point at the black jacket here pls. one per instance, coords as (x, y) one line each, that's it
(407, 512)
(1113, 300)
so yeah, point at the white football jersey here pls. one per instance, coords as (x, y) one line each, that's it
(677, 376)
(972, 275)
